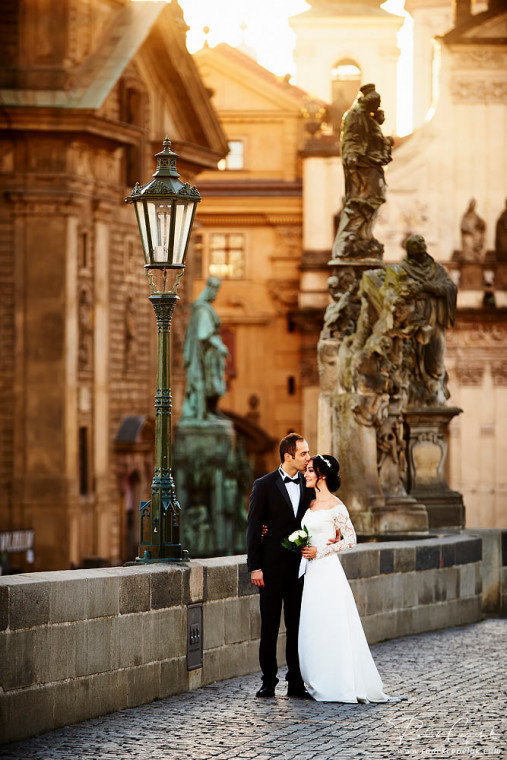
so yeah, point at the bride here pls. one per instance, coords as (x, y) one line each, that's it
(334, 656)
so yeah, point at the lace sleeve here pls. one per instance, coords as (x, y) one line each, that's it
(342, 523)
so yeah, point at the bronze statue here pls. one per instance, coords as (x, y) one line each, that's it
(204, 357)
(365, 151)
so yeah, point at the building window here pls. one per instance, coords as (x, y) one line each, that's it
(234, 160)
(83, 249)
(84, 462)
(345, 83)
(196, 242)
(227, 255)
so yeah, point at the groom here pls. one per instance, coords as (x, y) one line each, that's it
(279, 501)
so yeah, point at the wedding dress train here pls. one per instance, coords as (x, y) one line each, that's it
(334, 656)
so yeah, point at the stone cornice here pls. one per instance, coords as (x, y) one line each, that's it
(247, 220)
(251, 188)
(57, 120)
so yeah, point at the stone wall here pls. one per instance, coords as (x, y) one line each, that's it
(78, 644)
(493, 570)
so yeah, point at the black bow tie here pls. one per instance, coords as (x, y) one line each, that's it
(286, 479)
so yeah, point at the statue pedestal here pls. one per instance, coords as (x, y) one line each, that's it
(371, 489)
(204, 470)
(355, 445)
(427, 454)
(402, 513)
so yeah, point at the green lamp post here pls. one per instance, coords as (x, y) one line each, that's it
(165, 210)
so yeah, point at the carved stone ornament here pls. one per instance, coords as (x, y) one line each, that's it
(85, 351)
(499, 372)
(289, 237)
(341, 315)
(370, 408)
(479, 91)
(284, 293)
(469, 374)
(490, 334)
(328, 365)
(479, 58)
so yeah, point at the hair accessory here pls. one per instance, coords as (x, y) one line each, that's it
(326, 461)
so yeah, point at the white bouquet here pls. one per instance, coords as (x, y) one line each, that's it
(297, 540)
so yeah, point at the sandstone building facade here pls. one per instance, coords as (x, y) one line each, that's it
(89, 90)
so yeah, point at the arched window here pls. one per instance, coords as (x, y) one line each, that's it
(345, 83)
(133, 111)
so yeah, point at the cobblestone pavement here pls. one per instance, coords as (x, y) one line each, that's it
(454, 679)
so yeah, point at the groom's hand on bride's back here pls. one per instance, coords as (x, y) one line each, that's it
(257, 577)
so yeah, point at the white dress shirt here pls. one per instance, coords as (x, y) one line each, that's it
(292, 489)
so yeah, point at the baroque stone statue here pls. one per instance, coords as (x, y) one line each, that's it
(501, 236)
(399, 344)
(473, 232)
(365, 151)
(204, 356)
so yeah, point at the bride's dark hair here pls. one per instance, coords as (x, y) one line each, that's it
(328, 467)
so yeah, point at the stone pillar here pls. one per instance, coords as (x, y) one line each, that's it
(427, 453)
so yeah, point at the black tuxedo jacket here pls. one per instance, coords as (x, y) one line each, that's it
(270, 505)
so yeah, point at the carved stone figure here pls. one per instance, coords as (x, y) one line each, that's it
(501, 236)
(204, 357)
(473, 231)
(341, 314)
(399, 344)
(365, 151)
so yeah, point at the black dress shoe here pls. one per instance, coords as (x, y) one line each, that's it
(266, 691)
(299, 692)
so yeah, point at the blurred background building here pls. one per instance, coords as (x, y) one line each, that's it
(89, 89)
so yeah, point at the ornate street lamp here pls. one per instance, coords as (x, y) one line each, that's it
(165, 210)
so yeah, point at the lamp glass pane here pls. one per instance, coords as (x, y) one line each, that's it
(184, 215)
(160, 225)
(141, 220)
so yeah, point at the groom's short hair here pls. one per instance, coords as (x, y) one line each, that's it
(288, 445)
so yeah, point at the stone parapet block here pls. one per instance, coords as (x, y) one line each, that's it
(167, 585)
(134, 590)
(76, 644)
(28, 600)
(220, 577)
(17, 667)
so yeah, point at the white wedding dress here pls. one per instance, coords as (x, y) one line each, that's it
(334, 656)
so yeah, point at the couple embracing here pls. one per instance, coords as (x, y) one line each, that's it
(327, 654)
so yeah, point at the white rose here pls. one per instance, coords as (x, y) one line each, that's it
(294, 536)
(302, 533)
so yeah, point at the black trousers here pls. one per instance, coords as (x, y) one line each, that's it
(275, 592)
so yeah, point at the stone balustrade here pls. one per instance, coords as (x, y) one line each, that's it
(81, 643)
